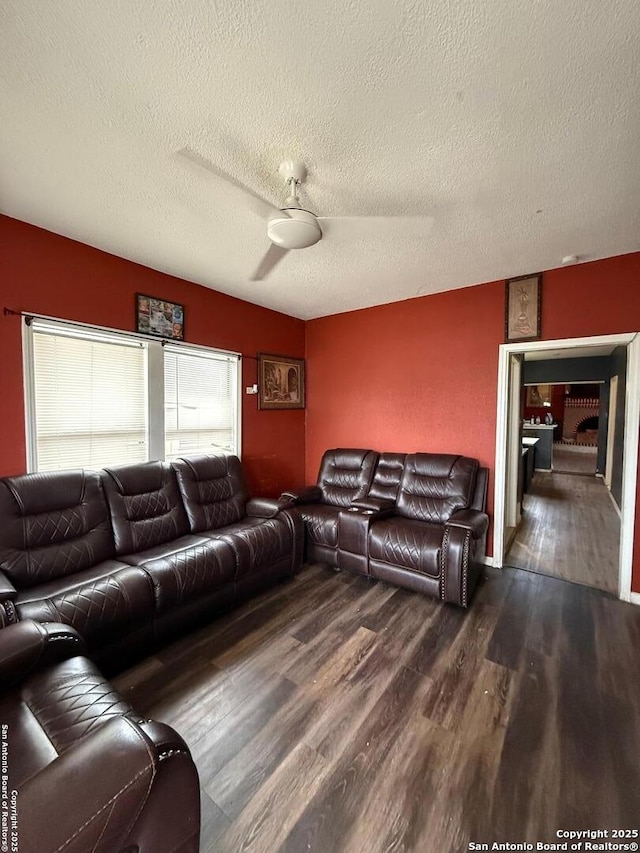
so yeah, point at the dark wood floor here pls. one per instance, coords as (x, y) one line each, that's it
(337, 714)
(569, 530)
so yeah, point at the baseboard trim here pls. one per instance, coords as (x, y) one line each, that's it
(634, 598)
(615, 505)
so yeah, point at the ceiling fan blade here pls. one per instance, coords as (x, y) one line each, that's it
(273, 256)
(365, 224)
(258, 204)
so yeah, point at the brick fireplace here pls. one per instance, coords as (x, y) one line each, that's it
(580, 424)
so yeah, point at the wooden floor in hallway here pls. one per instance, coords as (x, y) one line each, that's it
(570, 530)
(335, 713)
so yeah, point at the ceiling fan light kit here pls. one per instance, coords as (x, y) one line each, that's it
(298, 231)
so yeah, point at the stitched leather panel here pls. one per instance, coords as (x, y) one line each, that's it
(386, 479)
(408, 544)
(94, 795)
(434, 486)
(258, 543)
(321, 523)
(106, 601)
(213, 490)
(191, 573)
(345, 475)
(71, 700)
(145, 503)
(52, 525)
(167, 549)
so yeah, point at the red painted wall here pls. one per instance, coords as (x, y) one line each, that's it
(48, 274)
(422, 374)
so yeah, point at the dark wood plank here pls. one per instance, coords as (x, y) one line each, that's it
(213, 822)
(508, 640)
(455, 672)
(225, 739)
(330, 815)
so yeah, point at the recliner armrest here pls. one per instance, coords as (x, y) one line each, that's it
(374, 504)
(7, 589)
(25, 646)
(267, 507)
(470, 519)
(305, 495)
(100, 787)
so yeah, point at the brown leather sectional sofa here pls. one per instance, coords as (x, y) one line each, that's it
(416, 520)
(102, 563)
(128, 554)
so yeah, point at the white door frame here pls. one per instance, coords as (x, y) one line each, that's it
(631, 427)
(514, 445)
(611, 430)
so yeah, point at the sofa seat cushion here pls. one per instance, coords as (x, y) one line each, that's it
(321, 523)
(103, 602)
(190, 573)
(257, 543)
(408, 544)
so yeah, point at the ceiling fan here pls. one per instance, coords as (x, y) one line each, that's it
(289, 227)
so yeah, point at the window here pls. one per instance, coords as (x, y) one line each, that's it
(96, 398)
(199, 405)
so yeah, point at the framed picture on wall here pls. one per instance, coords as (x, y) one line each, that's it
(523, 302)
(281, 382)
(159, 318)
(538, 395)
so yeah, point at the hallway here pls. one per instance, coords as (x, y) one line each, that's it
(570, 530)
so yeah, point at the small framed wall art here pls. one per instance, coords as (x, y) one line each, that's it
(159, 318)
(281, 382)
(523, 303)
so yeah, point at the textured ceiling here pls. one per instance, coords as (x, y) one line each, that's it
(513, 123)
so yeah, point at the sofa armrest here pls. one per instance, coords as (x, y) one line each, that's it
(374, 504)
(305, 495)
(267, 507)
(470, 519)
(7, 598)
(7, 589)
(461, 562)
(27, 645)
(90, 796)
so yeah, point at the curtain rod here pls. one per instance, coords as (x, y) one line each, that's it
(32, 315)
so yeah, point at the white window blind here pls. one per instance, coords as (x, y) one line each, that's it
(200, 402)
(89, 403)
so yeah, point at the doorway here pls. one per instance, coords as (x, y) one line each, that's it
(625, 443)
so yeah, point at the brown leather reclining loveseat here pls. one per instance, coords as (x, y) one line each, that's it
(416, 520)
(133, 552)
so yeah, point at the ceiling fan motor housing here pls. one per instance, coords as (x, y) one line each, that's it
(298, 230)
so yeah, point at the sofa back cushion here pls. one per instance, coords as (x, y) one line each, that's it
(387, 476)
(51, 525)
(213, 490)
(345, 475)
(145, 504)
(435, 485)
